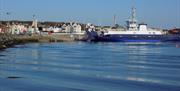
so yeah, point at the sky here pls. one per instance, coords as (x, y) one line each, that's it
(156, 13)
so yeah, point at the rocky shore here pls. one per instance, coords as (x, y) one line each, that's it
(8, 40)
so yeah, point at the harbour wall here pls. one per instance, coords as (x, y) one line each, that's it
(8, 40)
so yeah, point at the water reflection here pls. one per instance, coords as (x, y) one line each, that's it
(177, 45)
(98, 66)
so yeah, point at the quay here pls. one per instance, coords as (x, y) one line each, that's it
(8, 40)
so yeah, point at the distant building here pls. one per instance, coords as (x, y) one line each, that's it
(77, 28)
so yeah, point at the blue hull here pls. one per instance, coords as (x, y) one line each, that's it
(126, 40)
(136, 38)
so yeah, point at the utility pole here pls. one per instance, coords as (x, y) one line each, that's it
(8, 20)
(0, 10)
(114, 20)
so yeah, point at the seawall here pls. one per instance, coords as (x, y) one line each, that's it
(8, 40)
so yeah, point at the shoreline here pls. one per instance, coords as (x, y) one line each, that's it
(8, 40)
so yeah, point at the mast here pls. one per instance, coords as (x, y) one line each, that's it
(132, 22)
(133, 16)
(114, 20)
(133, 12)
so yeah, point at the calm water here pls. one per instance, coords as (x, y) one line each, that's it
(80, 66)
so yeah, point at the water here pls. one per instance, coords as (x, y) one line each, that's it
(79, 66)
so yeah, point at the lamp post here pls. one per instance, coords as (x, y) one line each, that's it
(0, 9)
(8, 20)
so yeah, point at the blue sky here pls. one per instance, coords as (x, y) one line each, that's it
(156, 13)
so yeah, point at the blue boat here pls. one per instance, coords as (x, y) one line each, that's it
(136, 38)
(133, 33)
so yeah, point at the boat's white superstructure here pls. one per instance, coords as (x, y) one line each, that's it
(134, 29)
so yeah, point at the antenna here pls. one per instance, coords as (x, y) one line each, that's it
(114, 20)
(133, 3)
(133, 14)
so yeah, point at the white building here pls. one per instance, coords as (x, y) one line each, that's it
(72, 28)
(76, 28)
